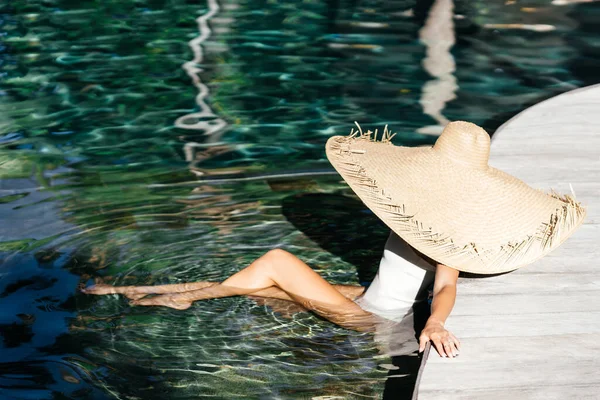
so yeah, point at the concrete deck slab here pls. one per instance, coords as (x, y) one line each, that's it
(534, 333)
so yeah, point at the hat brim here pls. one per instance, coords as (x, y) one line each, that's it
(475, 220)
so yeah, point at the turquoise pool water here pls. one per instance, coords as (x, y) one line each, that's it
(127, 156)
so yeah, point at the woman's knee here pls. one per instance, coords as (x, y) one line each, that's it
(277, 258)
(277, 254)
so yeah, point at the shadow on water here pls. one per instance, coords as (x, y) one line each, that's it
(37, 303)
(341, 225)
(401, 382)
(44, 342)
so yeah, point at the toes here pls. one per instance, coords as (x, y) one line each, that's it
(100, 289)
(92, 291)
(87, 288)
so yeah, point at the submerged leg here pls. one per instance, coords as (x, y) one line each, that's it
(281, 270)
(138, 292)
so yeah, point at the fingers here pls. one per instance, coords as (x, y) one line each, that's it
(456, 341)
(443, 345)
(423, 339)
(450, 349)
(455, 351)
(439, 346)
(446, 346)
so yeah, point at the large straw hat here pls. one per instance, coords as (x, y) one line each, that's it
(448, 203)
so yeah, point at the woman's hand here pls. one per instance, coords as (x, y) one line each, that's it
(446, 344)
(444, 295)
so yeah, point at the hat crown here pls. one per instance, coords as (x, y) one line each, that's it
(465, 143)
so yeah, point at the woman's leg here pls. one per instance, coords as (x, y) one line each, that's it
(283, 272)
(138, 292)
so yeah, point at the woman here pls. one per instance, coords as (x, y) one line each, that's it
(443, 203)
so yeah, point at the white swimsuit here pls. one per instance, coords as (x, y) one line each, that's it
(402, 280)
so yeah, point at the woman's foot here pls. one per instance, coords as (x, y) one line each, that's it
(132, 295)
(101, 289)
(167, 300)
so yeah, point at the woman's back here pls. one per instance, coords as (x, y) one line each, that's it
(402, 279)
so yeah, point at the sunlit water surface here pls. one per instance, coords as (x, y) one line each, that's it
(120, 161)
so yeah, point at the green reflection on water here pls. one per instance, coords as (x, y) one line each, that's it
(87, 111)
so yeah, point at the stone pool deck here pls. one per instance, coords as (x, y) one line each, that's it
(535, 333)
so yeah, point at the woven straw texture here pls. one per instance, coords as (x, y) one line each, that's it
(448, 203)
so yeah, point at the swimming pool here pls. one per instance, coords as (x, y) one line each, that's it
(126, 156)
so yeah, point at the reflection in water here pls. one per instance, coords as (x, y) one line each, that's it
(567, 2)
(527, 27)
(438, 35)
(204, 120)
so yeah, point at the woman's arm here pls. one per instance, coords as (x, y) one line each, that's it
(444, 294)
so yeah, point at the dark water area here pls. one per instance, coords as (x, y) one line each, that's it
(128, 156)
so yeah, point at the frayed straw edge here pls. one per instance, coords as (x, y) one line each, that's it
(386, 138)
